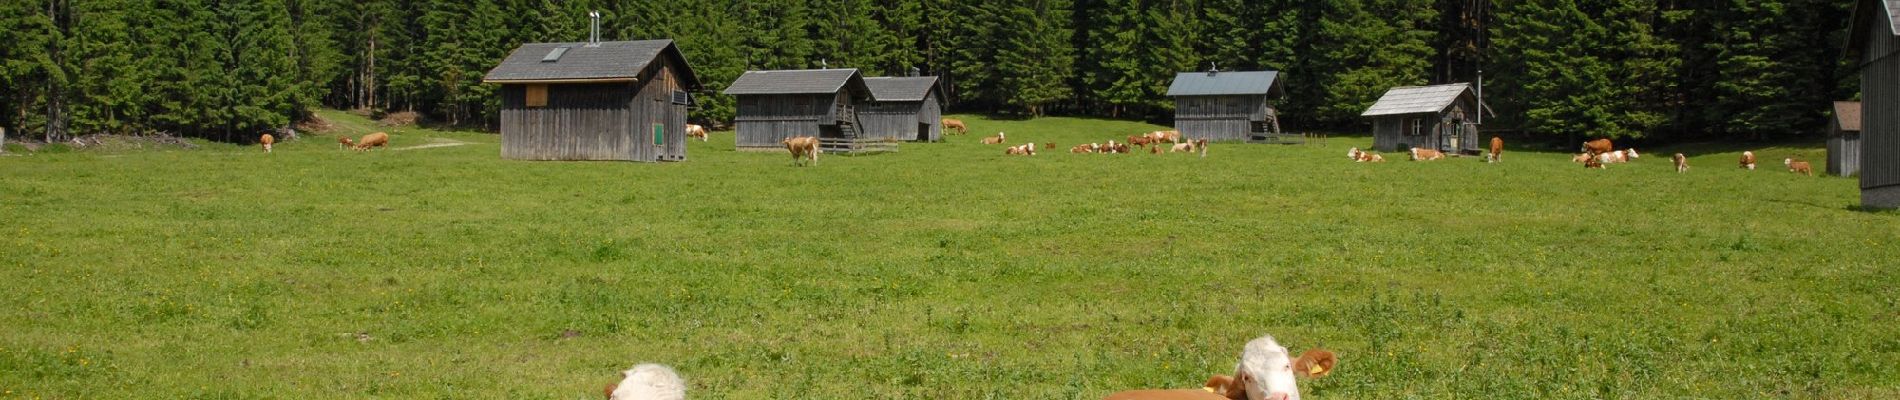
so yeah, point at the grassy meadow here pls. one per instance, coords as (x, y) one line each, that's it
(944, 271)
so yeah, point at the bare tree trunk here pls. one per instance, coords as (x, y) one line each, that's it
(55, 94)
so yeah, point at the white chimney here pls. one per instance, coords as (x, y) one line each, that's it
(593, 36)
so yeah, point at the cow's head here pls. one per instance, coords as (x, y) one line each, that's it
(1267, 371)
(1631, 152)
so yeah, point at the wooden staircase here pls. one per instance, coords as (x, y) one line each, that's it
(850, 140)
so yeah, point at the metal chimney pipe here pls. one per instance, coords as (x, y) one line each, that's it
(593, 35)
(1480, 94)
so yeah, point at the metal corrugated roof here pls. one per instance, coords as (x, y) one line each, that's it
(901, 89)
(606, 61)
(808, 81)
(1847, 115)
(1416, 99)
(1225, 83)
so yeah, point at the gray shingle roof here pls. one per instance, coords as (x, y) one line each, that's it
(1225, 83)
(1417, 99)
(608, 61)
(901, 89)
(808, 81)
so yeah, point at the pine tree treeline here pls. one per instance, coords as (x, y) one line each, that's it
(226, 69)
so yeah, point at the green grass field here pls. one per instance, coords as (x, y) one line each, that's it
(944, 271)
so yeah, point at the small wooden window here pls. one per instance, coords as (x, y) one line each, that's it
(537, 95)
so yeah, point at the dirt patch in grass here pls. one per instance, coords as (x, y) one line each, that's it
(400, 118)
(129, 142)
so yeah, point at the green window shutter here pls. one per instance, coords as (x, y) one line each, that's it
(659, 134)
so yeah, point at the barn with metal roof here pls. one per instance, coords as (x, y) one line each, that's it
(594, 101)
(1873, 43)
(1227, 106)
(1441, 117)
(822, 103)
(904, 109)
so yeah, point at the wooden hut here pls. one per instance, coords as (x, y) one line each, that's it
(904, 109)
(1227, 106)
(774, 105)
(1441, 117)
(594, 101)
(1873, 41)
(1843, 139)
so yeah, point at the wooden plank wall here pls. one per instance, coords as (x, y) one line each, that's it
(765, 120)
(1880, 117)
(893, 120)
(931, 114)
(1843, 152)
(1216, 118)
(581, 122)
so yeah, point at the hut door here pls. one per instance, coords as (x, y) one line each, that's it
(659, 134)
(923, 132)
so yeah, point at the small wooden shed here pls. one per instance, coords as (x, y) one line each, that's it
(1874, 46)
(1843, 139)
(774, 105)
(1227, 106)
(623, 101)
(1441, 117)
(904, 109)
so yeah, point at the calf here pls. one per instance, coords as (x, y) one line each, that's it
(372, 141)
(1497, 149)
(1799, 167)
(1598, 146)
(802, 147)
(648, 382)
(1419, 154)
(1139, 141)
(266, 140)
(1682, 163)
(998, 139)
(950, 124)
(696, 131)
(1748, 160)
(1085, 148)
(344, 142)
(1353, 154)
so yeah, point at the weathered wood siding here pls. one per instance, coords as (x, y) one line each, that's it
(599, 122)
(1218, 118)
(1843, 151)
(930, 118)
(765, 120)
(1880, 116)
(893, 120)
(1393, 132)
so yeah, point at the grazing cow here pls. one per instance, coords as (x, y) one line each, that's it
(998, 139)
(266, 140)
(1202, 146)
(1497, 150)
(648, 382)
(1028, 149)
(1266, 371)
(953, 124)
(1598, 146)
(344, 142)
(696, 131)
(1084, 148)
(1748, 160)
(372, 141)
(1799, 167)
(802, 147)
(1140, 141)
(1168, 136)
(1419, 154)
(1682, 163)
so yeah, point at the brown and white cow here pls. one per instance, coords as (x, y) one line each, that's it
(1139, 141)
(1748, 160)
(344, 142)
(1419, 154)
(802, 147)
(1582, 158)
(696, 131)
(1084, 148)
(955, 124)
(648, 382)
(1682, 163)
(1497, 150)
(1028, 149)
(1266, 371)
(1798, 166)
(998, 139)
(1598, 146)
(1164, 136)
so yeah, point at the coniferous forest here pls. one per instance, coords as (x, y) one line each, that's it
(1658, 69)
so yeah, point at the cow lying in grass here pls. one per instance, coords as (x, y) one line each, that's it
(648, 382)
(1619, 156)
(1419, 154)
(802, 147)
(1682, 163)
(696, 131)
(266, 140)
(998, 139)
(372, 141)
(1085, 148)
(1266, 371)
(956, 125)
(1584, 157)
(1798, 166)
(1140, 141)
(1028, 149)
(1748, 160)
(1363, 156)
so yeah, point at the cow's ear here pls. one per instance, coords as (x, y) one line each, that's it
(609, 393)
(1315, 363)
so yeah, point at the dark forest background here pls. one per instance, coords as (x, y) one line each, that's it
(1656, 69)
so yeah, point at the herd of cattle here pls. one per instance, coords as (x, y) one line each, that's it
(1595, 154)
